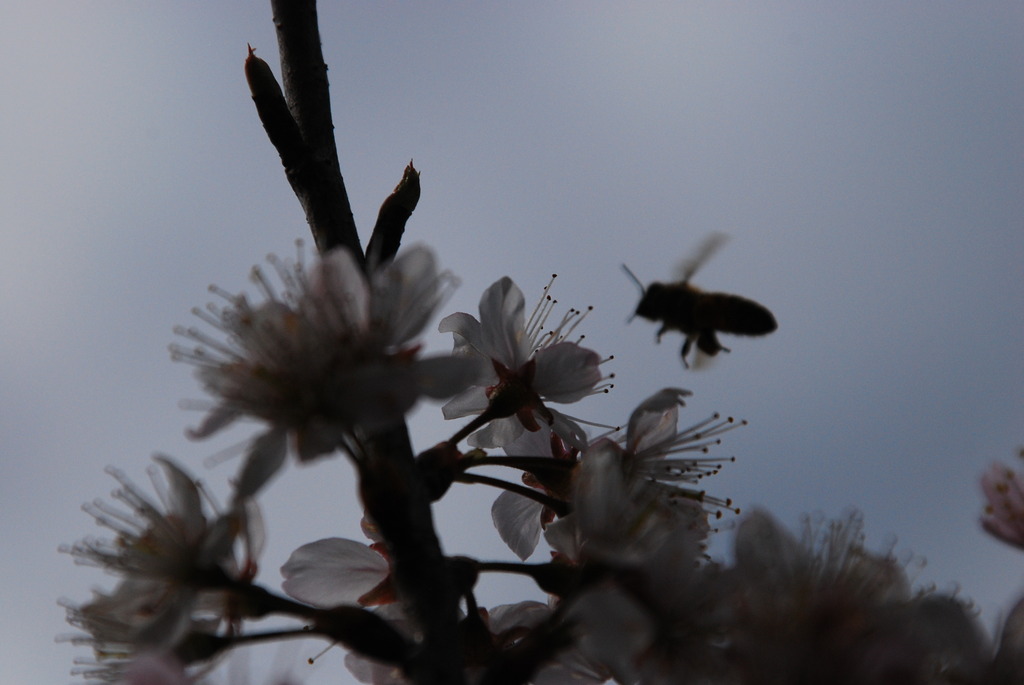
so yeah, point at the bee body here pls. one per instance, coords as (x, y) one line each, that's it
(701, 315)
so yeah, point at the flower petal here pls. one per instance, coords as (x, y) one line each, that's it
(332, 571)
(444, 376)
(501, 316)
(221, 417)
(654, 421)
(766, 551)
(472, 401)
(566, 372)
(517, 520)
(265, 457)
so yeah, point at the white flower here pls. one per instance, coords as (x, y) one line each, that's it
(1004, 506)
(617, 520)
(649, 451)
(329, 356)
(526, 367)
(166, 553)
(822, 608)
(650, 605)
(653, 443)
(827, 558)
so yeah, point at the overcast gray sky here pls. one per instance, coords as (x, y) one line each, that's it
(866, 161)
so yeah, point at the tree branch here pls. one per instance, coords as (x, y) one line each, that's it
(397, 500)
(299, 124)
(311, 166)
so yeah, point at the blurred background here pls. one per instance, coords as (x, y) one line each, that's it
(867, 163)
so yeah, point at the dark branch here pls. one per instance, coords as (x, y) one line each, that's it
(398, 502)
(311, 161)
(395, 495)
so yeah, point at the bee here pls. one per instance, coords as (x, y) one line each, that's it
(700, 315)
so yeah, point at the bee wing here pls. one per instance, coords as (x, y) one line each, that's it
(701, 361)
(708, 247)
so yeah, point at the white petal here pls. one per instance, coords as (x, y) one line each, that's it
(406, 293)
(502, 320)
(497, 433)
(220, 417)
(338, 281)
(472, 401)
(333, 571)
(655, 420)
(444, 376)
(765, 551)
(567, 429)
(517, 520)
(616, 631)
(465, 328)
(532, 443)
(564, 537)
(265, 457)
(525, 614)
(155, 668)
(566, 372)
(184, 501)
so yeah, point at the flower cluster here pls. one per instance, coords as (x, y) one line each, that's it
(328, 360)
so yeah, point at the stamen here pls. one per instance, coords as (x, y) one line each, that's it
(195, 356)
(579, 317)
(541, 311)
(220, 292)
(196, 405)
(111, 518)
(316, 656)
(211, 315)
(229, 452)
(257, 276)
(204, 339)
(595, 424)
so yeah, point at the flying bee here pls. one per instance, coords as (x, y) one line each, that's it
(700, 315)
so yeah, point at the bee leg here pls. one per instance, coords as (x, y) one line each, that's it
(707, 342)
(661, 332)
(687, 344)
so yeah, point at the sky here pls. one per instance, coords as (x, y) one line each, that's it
(866, 162)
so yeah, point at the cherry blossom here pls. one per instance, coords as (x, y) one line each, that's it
(526, 367)
(1004, 505)
(327, 359)
(654, 442)
(822, 608)
(165, 551)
